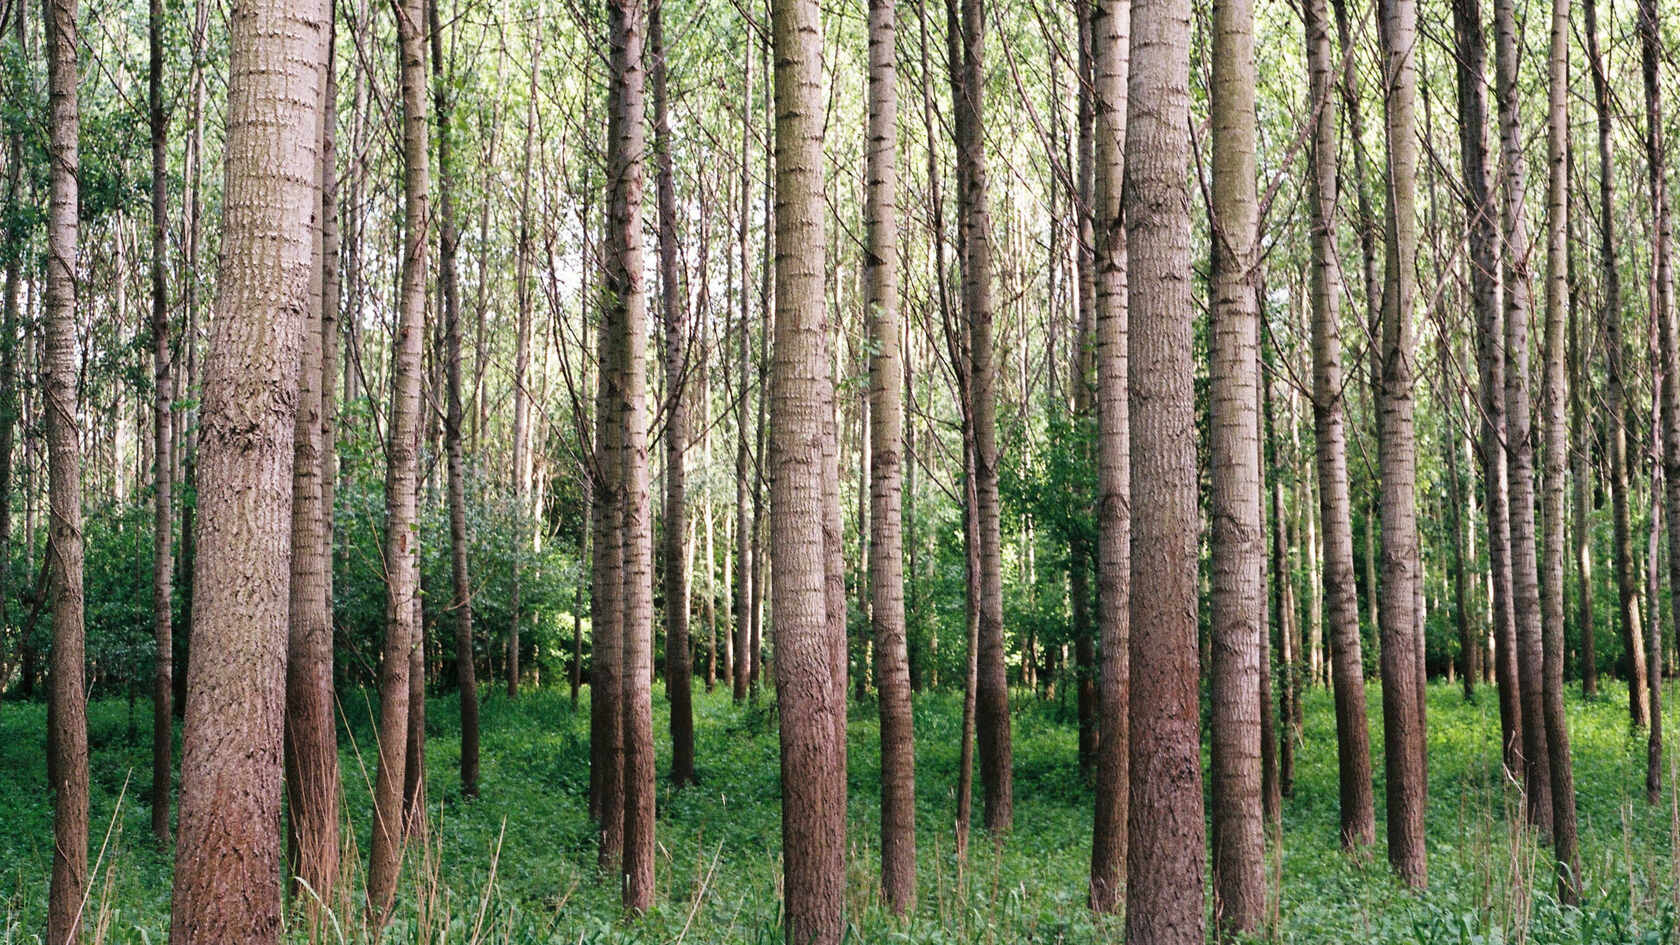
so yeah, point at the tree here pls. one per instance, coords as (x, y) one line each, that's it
(1555, 438)
(813, 812)
(1656, 163)
(1347, 669)
(886, 439)
(163, 467)
(67, 731)
(227, 859)
(1402, 731)
(1239, 601)
(1165, 828)
(460, 601)
(1111, 57)
(402, 633)
(1519, 444)
(679, 670)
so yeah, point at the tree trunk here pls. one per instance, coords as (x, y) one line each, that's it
(1519, 448)
(813, 809)
(401, 477)
(163, 467)
(1079, 554)
(227, 859)
(886, 439)
(1347, 666)
(1397, 448)
(679, 672)
(1627, 583)
(521, 378)
(1555, 437)
(67, 743)
(1656, 158)
(745, 571)
(460, 600)
(11, 251)
(1165, 858)
(414, 759)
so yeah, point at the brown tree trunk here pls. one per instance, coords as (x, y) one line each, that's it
(1111, 25)
(521, 377)
(1519, 443)
(1347, 669)
(886, 439)
(744, 568)
(1165, 858)
(1397, 448)
(1656, 159)
(813, 809)
(163, 467)
(1079, 554)
(1555, 438)
(227, 859)
(679, 671)
(67, 743)
(414, 759)
(460, 600)
(401, 477)
(11, 252)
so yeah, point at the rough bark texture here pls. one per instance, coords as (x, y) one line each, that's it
(1238, 584)
(1615, 371)
(679, 670)
(1165, 852)
(886, 440)
(67, 745)
(1656, 159)
(1347, 665)
(460, 600)
(401, 476)
(1397, 448)
(1519, 443)
(1555, 438)
(227, 858)
(1111, 26)
(163, 466)
(813, 810)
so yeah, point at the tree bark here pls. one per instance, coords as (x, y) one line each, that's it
(886, 440)
(813, 809)
(521, 378)
(745, 571)
(1165, 858)
(163, 467)
(67, 743)
(401, 476)
(227, 859)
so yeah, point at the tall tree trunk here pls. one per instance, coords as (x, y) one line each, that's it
(67, 743)
(679, 672)
(813, 809)
(1079, 554)
(401, 476)
(1581, 464)
(626, 144)
(312, 776)
(745, 571)
(886, 440)
(1656, 160)
(460, 600)
(1555, 438)
(163, 466)
(1627, 583)
(521, 378)
(227, 859)
(1165, 858)
(1239, 602)
(1397, 448)
(1111, 26)
(992, 692)
(11, 253)
(1277, 745)
(1519, 443)
(1347, 665)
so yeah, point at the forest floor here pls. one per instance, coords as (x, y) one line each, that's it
(518, 864)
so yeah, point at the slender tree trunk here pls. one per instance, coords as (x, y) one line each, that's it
(1397, 448)
(163, 467)
(228, 856)
(744, 546)
(679, 672)
(67, 743)
(1581, 465)
(1277, 746)
(1519, 448)
(401, 477)
(414, 759)
(1111, 25)
(521, 378)
(886, 439)
(1656, 159)
(312, 777)
(1079, 554)
(1239, 602)
(1353, 748)
(813, 809)
(11, 252)
(460, 600)
(1555, 437)
(1165, 858)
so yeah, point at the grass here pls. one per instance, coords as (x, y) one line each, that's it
(518, 864)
